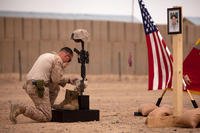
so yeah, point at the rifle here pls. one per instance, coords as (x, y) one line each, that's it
(83, 58)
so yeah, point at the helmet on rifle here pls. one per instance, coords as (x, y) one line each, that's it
(80, 35)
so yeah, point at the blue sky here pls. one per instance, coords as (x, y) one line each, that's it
(157, 8)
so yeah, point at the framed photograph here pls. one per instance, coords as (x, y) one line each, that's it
(174, 20)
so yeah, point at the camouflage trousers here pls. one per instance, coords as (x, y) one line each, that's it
(42, 110)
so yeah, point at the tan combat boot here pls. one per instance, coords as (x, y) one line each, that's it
(15, 110)
(70, 102)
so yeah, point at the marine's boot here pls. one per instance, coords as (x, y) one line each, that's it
(70, 101)
(15, 110)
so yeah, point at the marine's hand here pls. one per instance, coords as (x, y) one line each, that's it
(80, 86)
(73, 80)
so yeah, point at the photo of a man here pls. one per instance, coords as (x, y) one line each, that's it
(174, 20)
(174, 25)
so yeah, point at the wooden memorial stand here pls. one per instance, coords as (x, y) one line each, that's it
(170, 121)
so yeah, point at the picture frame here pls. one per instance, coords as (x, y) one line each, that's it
(174, 20)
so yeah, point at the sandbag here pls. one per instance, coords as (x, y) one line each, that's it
(189, 118)
(146, 108)
(161, 111)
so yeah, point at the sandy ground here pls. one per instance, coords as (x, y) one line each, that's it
(116, 100)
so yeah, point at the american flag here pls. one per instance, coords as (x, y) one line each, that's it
(159, 56)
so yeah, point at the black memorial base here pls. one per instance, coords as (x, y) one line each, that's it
(83, 114)
(75, 115)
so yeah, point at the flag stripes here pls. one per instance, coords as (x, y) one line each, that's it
(159, 56)
(160, 66)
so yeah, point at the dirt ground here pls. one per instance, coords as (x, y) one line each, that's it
(116, 100)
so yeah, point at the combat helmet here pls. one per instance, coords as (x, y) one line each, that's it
(80, 35)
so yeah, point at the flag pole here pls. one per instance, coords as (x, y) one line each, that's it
(160, 98)
(192, 99)
(190, 95)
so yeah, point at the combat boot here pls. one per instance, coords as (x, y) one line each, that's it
(70, 102)
(15, 110)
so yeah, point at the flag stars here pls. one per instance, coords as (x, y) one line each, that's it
(149, 25)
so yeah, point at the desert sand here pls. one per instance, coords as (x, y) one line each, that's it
(116, 100)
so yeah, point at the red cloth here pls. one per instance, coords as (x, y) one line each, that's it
(191, 67)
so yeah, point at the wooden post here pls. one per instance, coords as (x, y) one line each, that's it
(177, 42)
(20, 65)
(119, 65)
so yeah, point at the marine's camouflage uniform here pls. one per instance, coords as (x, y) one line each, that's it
(48, 67)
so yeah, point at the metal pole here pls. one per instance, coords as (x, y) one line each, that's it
(132, 12)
